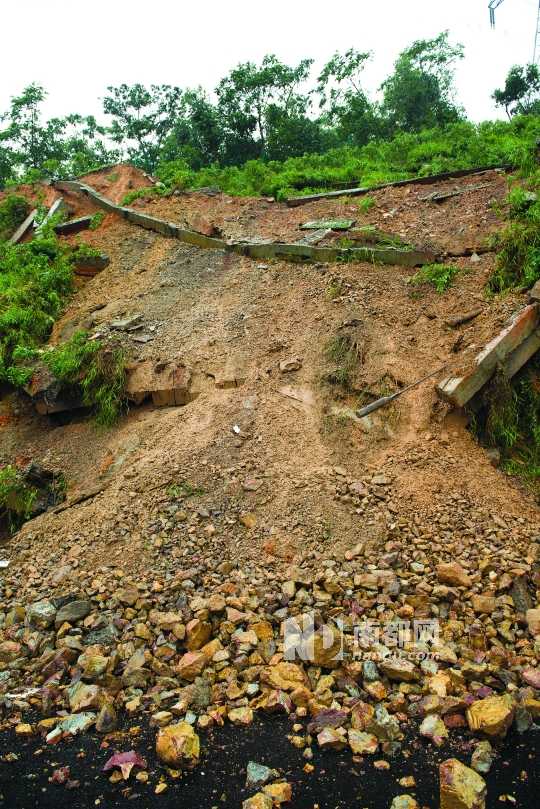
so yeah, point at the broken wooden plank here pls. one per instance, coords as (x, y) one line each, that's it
(24, 228)
(74, 225)
(294, 202)
(459, 390)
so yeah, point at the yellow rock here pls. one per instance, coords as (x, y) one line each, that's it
(191, 665)
(460, 787)
(198, 633)
(280, 793)
(285, 676)
(492, 716)
(23, 729)
(258, 801)
(178, 746)
(453, 574)
(248, 519)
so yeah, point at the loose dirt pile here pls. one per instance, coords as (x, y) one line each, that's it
(191, 534)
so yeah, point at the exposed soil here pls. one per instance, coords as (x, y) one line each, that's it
(237, 491)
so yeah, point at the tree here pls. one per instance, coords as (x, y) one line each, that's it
(143, 119)
(521, 92)
(197, 134)
(344, 102)
(420, 92)
(245, 98)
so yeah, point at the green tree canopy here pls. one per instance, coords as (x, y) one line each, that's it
(521, 92)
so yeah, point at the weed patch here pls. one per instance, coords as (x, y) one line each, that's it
(365, 204)
(440, 276)
(13, 211)
(97, 220)
(345, 356)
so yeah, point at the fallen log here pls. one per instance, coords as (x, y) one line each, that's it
(513, 347)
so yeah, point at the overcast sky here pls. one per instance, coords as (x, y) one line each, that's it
(76, 49)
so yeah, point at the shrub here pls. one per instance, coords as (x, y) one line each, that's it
(16, 498)
(13, 211)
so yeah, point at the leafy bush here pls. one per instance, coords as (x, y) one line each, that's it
(96, 371)
(13, 211)
(97, 220)
(440, 276)
(16, 498)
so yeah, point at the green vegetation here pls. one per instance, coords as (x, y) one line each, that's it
(183, 489)
(16, 498)
(35, 280)
(96, 371)
(441, 276)
(518, 244)
(510, 421)
(365, 204)
(97, 220)
(13, 211)
(344, 353)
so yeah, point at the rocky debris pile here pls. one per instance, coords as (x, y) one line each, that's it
(212, 642)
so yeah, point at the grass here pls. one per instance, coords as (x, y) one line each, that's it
(97, 220)
(183, 489)
(365, 204)
(16, 498)
(440, 276)
(95, 371)
(343, 352)
(13, 211)
(510, 421)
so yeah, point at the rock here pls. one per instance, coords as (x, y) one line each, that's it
(434, 728)
(240, 716)
(258, 775)
(78, 723)
(453, 574)
(531, 677)
(197, 634)
(332, 739)
(83, 696)
(384, 726)
(399, 669)
(167, 383)
(73, 612)
(191, 665)
(280, 792)
(482, 757)
(178, 746)
(258, 801)
(484, 604)
(492, 716)
(127, 596)
(520, 595)
(362, 743)
(533, 621)
(404, 802)
(460, 787)
(41, 614)
(289, 365)
(106, 720)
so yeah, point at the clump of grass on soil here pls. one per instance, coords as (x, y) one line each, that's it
(441, 276)
(518, 245)
(343, 352)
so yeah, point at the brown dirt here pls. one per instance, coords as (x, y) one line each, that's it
(215, 312)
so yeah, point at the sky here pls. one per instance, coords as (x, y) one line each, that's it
(75, 50)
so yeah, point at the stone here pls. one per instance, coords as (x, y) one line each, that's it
(520, 595)
(197, 634)
(434, 728)
(383, 725)
(106, 720)
(404, 802)
(280, 792)
(289, 365)
(178, 746)
(460, 787)
(453, 574)
(82, 697)
(531, 677)
(258, 801)
(362, 743)
(167, 383)
(258, 775)
(399, 669)
(73, 612)
(127, 596)
(78, 723)
(331, 739)
(191, 665)
(482, 757)
(492, 716)
(42, 614)
(240, 716)
(533, 621)
(484, 604)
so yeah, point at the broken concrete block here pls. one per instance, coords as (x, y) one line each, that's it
(168, 383)
(328, 224)
(89, 266)
(73, 226)
(231, 376)
(510, 346)
(24, 228)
